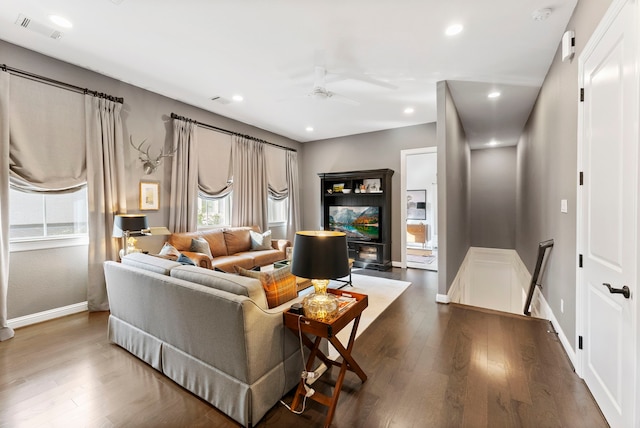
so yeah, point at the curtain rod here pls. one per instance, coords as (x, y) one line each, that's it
(59, 84)
(226, 131)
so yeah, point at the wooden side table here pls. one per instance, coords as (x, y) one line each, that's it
(328, 330)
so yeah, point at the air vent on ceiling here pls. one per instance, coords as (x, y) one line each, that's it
(28, 23)
(221, 100)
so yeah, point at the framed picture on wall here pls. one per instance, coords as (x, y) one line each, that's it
(149, 196)
(416, 204)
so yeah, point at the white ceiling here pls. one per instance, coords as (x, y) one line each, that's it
(192, 50)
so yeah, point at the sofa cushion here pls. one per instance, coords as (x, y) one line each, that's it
(215, 238)
(264, 257)
(279, 284)
(229, 282)
(150, 263)
(227, 263)
(260, 241)
(200, 246)
(182, 241)
(237, 239)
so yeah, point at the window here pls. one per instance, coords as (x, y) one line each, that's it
(214, 212)
(37, 216)
(278, 210)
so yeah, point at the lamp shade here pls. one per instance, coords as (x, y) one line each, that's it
(129, 222)
(320, 254)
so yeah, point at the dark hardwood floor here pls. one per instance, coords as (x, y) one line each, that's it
(429, 365)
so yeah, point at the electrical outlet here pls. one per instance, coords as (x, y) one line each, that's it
(562, 305)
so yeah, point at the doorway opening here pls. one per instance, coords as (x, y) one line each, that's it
(419, 208)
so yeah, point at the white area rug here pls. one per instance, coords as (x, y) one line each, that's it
(381, 291)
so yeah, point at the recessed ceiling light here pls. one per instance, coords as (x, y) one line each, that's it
(60, 21)
(409, 110)
(494, 94)
(309, 129)
(237, 98)
(492, 143)
(454, 29)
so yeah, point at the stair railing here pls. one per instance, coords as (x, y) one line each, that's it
(542, 251)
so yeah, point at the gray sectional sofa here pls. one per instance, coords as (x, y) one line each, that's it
(210, 332)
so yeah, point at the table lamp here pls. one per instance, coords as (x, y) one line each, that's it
(320, 256)
(126, 224)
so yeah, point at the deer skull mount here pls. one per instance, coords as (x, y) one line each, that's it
(148, 163)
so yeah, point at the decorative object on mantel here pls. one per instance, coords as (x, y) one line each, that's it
(149, 196)
(148, 163)
(320, 255)
(126, 224)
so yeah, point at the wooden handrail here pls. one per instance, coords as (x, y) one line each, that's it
(542, 250)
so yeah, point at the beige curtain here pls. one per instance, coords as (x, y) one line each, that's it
(5, 331)
(249, 183)
(106, 190)
(184, 178)
(293, 220)
(214, 163)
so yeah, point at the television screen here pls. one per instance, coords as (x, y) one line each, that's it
(359, 223)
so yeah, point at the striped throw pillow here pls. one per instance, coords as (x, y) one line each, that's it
(279, 284)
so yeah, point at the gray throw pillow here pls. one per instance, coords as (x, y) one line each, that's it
(200, 246)
(260, 241)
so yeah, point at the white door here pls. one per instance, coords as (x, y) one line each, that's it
(607, 223)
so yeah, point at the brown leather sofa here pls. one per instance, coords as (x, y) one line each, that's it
(229, 247)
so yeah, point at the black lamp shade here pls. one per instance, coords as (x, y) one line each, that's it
(320, 254)
(130, 222)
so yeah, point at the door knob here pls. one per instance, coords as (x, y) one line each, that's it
(624, 290)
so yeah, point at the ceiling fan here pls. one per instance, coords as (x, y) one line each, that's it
(321, 93)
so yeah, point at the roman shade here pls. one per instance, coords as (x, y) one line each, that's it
(47, 137)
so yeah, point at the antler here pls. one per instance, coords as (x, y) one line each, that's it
(163, 155)
(139, 149)
(149, 164)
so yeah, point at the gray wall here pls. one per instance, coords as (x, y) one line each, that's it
(547, 173)
(493, 198)
(453, 190)
(48, 279)
(372, 150)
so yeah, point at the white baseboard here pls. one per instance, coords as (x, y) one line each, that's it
(443, 298)
(47, 315)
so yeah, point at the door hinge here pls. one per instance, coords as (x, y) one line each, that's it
(581, 95)
(581, 178)
(579, 342)
(579, 260)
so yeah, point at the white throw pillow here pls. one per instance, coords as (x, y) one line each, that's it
(169, 250)
(260, 241)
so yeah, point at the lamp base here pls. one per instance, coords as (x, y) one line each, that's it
(320, 306)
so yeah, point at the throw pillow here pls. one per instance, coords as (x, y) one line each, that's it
(279, 284)
(169, 250)
(200, 246)
(260, 241)
(185, 260)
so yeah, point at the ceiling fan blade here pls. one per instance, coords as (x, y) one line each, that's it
(342, 99)
(364, 78)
